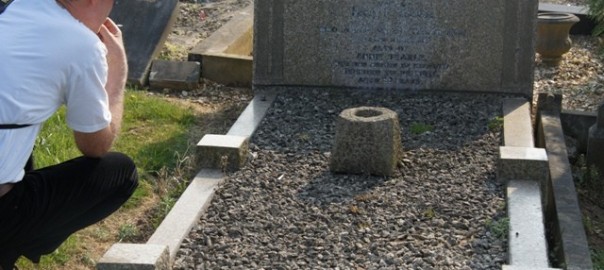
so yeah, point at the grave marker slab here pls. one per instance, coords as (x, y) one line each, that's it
(174, 75)
(145, 26)
(446, 45)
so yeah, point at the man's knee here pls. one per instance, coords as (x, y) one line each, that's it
(125, 170)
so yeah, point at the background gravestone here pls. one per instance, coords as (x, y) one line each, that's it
(145, 26)
(595, 143)
(466, 45)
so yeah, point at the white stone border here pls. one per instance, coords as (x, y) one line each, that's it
(187, 210)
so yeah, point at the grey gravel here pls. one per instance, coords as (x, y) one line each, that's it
(286, 210)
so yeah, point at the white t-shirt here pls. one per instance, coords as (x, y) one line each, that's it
(47, 59)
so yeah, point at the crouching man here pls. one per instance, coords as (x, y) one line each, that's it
(54, 53)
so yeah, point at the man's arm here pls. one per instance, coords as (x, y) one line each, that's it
(99, 143)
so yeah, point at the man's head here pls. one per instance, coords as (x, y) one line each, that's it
(91, 13)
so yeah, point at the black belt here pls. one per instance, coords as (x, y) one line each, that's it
(12, 126)
(4, 4)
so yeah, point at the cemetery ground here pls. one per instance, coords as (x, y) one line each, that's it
(161, 129)
(159, 132)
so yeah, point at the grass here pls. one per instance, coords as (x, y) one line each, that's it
(495, 124)
(156, 134)
(597, 257)
(499, 228)
(420, 128)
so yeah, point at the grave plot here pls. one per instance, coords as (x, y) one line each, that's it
(441, 209)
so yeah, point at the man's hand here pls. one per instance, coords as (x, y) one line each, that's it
(111, 35)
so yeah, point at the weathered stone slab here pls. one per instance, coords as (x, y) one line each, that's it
(145, 26)
(135, 257)
(174, 75)
(526, 238)
(224, 152)
(226, 55)
(367, 141)
(186, 212)
(562, 205)
(250, 118)
(404, 44)
(517, 124)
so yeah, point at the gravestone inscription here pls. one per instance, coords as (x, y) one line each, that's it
(465, 45)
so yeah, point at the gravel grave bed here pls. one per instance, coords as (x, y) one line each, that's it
(286, 210)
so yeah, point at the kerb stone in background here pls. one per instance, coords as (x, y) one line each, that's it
(446, 45)
(174, 75)
(145, 26)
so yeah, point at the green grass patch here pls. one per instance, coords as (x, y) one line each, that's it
(499, 228)
(59, 257)
(155, 133)
(420, 128)
(597, 257)
(495, 123)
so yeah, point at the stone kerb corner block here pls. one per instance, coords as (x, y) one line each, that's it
(135, 257)
(223, 152)
(522, 163)
(595, 143)
(367, 140)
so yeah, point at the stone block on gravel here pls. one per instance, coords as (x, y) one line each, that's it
(177, 75)
(522, 163)
(223, 152)
(135, 257)
(367, 140)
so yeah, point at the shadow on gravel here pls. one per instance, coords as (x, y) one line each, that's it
(338, 188)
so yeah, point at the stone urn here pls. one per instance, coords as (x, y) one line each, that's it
(368, 140)
(553, 35)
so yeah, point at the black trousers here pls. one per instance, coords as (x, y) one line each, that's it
(50, 204)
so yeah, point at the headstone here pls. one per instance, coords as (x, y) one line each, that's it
(367, 140)
(145, 24)
(485, 46)
(595, 143)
